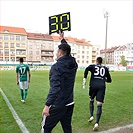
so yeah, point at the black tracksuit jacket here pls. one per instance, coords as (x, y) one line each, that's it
(62, 78)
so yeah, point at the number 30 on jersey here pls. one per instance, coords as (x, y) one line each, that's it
(59, 22)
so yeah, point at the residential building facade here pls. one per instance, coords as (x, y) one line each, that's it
(13, 44)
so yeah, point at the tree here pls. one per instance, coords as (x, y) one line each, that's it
(123, 61)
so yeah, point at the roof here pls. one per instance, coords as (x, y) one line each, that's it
(39, 36)
(8, 29)
(72, 40)
(109, 50)
(82, 42)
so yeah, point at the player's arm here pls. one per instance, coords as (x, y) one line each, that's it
(85, 75)
(108, 78)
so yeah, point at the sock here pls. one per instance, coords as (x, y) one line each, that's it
(91, 107)
(21, 93)
(99, 112)
(25, 94)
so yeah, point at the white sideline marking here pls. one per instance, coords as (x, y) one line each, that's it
(117, 129)
(15, 115)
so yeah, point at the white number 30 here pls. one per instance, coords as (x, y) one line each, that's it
(100, 71)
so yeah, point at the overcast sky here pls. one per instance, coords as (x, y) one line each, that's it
(87, 19)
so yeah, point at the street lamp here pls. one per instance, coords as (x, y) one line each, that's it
(106, 15)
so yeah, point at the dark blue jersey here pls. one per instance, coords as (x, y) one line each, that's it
(99, 75)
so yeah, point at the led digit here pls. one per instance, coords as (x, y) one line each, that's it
(55, 23)
(61, 24)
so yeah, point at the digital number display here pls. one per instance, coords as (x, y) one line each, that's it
(59, 22)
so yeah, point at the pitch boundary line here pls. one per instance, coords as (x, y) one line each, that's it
(117, 129)
(15, 115)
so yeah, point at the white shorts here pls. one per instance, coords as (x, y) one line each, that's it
(24, 85)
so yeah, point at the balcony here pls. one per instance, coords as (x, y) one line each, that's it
(48, 55)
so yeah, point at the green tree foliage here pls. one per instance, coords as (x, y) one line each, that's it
(123, 61)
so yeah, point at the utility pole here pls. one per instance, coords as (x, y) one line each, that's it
(106, 15)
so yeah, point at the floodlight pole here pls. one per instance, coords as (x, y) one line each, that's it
(106, 15)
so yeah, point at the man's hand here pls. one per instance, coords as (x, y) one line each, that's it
(61, 34)
(45, 111)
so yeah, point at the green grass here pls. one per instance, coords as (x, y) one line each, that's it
(117, 107)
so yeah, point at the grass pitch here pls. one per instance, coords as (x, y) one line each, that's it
(117, 107)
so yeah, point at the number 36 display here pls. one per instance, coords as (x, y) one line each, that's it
(59, 22)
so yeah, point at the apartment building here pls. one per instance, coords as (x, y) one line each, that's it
(129, 57)
(120, 51)
(109, 54)
(13, 44)
(84, 52)
(95, 52)
(70, 40)
(40, 48)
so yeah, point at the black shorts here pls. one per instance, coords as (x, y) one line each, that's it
(98, 93)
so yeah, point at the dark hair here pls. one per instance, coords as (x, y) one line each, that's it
(65, 48)
(21, 59)
(99, 60)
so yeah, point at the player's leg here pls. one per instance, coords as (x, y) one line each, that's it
(66, 119)
(92, 94)
(100, 99)
(51, 121)
(21, 90)
(26, 84)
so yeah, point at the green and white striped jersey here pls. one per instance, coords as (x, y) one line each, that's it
(22, 69)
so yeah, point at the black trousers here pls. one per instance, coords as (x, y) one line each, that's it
(62, 114)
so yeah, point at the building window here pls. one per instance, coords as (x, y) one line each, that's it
(12, 45)
(83, 47)
(17, 45)
(17, 37)
(0, 44)
(30, 52)
(37, 46)
(12, 37)
(23, 38)
(1, 52)
(1, 37)
(87, 52)
(78, 56)
(30, 58)
(82, 57)
(12, 52)
(30, 46)
(24, 52)
(5, 37)
(6, 45)
(1, 59)
(17, 52)
(87, 62)
(37, 52)
(7, 59)
(6, 52)
(82, 61)
(37, 58)
(23, 45)
(87, 57)
(83, 52)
